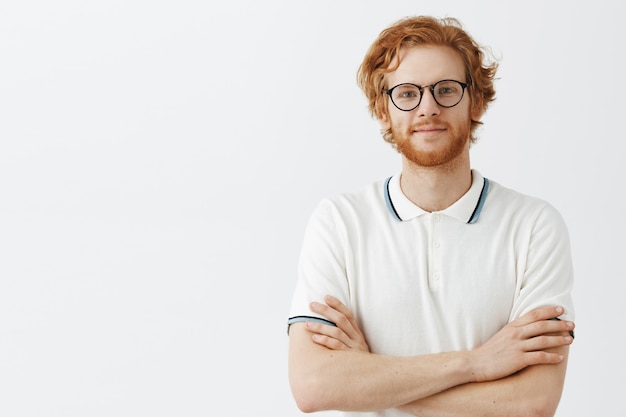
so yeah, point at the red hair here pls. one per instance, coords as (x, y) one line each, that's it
(424, 30)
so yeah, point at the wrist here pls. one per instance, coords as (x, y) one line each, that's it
(474, 371)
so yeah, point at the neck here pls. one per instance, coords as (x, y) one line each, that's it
(436, 188)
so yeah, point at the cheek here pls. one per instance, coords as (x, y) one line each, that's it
(396, 119)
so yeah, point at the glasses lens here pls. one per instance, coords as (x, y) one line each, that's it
(406, 96)
(448, 93)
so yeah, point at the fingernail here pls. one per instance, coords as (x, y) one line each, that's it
(314, 305)
(559, 309)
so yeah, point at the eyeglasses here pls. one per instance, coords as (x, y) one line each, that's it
(447, 93)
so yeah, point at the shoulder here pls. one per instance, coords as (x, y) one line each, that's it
(506, 197)
(365, 201)
(506, 202)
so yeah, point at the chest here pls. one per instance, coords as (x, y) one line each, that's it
(434, 284)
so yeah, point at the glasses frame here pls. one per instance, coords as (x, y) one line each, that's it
(431, 87)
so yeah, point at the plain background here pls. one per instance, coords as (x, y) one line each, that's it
(159, 160)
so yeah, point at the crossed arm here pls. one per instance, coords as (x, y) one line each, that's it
(519, 371)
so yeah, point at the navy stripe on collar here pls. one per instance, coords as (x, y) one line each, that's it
(473, 218)
(481, 202)
(388, 201)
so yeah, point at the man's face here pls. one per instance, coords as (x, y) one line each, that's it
(429, 135)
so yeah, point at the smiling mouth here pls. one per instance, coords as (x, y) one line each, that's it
(429, 129)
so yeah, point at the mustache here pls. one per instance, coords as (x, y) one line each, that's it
(419, 126)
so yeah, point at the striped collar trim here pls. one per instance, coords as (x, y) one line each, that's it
(467, 209)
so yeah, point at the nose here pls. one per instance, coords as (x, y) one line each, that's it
(428, 106)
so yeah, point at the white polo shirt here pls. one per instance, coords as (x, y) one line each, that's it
(421, 282)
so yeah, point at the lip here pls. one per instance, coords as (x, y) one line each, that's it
(429, 129)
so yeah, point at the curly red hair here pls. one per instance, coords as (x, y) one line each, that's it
(425, 30)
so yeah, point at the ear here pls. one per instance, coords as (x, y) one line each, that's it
(476, 112)
(383, 119)
(382, 114)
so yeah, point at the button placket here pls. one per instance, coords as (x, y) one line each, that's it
(435, 250)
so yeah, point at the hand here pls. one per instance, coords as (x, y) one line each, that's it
(521, 343)
(346, 336)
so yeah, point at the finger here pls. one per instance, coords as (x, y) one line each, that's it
(347, 321)
(335, 316)
(541, 357)
(329, 332)
(329, 342)
(541, 343)
(538, 314)
(338, 305)
(546, 327)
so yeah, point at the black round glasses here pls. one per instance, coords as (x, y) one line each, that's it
(407, 96)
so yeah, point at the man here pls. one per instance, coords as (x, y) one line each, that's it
(436, 292)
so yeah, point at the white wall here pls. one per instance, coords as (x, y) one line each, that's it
(158, 161)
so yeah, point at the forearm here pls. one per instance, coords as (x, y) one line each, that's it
(362, 381)
(327, 373)
(535, 391)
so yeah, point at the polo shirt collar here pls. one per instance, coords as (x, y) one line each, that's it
(466, 209)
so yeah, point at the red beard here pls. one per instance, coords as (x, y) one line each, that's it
(455, 144)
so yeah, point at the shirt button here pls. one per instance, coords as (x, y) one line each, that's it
(436, 244)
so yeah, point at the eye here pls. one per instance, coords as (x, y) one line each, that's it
(445, 90)
(406, 93)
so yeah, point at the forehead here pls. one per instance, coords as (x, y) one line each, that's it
(427, 64)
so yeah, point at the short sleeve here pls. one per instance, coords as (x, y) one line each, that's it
(322, 263)
(548, 275)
